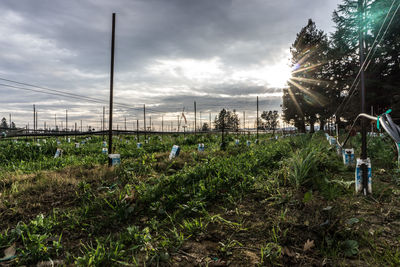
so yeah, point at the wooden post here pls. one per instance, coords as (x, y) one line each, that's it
(110, 133)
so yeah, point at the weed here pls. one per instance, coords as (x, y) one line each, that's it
(270, 253)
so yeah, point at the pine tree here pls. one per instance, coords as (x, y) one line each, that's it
(3, 123)
(305, 99)
(382, 76)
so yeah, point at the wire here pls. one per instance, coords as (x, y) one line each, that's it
(365, 64)
(63, 93)
(376, 47)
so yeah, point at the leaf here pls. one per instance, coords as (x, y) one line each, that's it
(131, 197)
(308, 245)
(307, 197)
(288, 252)
(9, 253)
(352, 221)
(350, 248)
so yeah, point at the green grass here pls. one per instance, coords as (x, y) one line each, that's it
(256, 204)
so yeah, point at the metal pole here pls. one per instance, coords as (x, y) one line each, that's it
(110, 121)
(34, 117)
(372, 114)
(125, 123)
(104, 121)
(222, 134)
(66, 120)
(257, 118)
(144, 118)
(137, 130)
(363, 120)
(195, 118)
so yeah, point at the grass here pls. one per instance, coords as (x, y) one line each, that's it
(254, 205)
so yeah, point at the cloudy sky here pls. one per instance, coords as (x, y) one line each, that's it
(169, 53)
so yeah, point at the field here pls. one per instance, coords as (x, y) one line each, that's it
(284, 202)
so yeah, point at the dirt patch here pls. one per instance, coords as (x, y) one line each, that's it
(33, 194)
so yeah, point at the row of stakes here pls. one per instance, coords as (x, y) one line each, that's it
(349, 160)
(116, 158)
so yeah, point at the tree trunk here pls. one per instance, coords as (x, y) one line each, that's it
(312, 121)
(312, 128)
(321, 124)
(301, 125)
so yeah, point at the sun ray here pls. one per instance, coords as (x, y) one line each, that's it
(305, 54)
(307, 80)
(315, 96)
(295, 101)
(307, 68)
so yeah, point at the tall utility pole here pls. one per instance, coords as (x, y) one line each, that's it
(195, 118)
(36, 120)
(110, 120)
(364, 167)
(34, 117)
(125, 123)
(257, 118)
(104, 121)
(372, 114)
(66, 120)
(144, 120)
(137, 130)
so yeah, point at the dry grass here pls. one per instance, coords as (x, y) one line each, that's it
(22, 197)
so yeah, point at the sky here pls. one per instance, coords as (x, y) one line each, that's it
(168, 54)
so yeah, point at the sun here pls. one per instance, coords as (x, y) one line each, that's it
(273, 75)
(278, 75)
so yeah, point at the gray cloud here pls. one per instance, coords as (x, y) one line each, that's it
(159, 45)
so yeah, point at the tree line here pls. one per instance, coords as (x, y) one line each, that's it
(324, 67)
(229, 121)
(4, 125)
